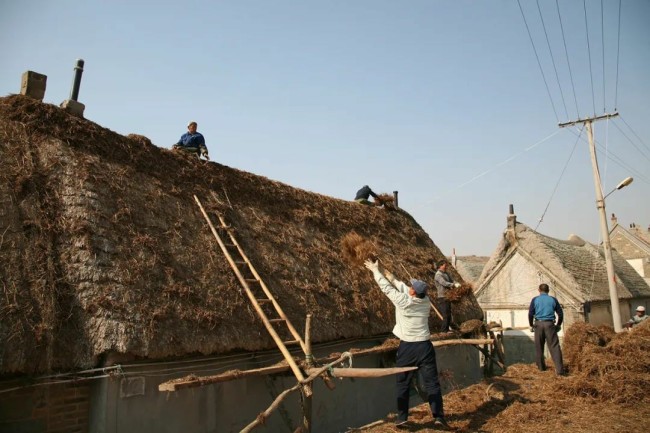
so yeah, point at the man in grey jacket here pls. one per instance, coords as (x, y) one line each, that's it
(444, 283)
(412, 309)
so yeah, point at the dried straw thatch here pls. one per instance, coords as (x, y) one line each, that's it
(355, 250)
(104, 251)
(617, 371)
(606, 391)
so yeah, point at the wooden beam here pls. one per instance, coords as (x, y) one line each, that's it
(192, 382)
(388, 346)
(365, 372)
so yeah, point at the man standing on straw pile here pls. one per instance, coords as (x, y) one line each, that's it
(444, 283)
(412, 309)
(543, 309)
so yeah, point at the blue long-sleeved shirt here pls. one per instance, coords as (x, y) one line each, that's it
(192, 140)
(545, 307)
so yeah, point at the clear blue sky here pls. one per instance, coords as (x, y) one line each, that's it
(415, 96)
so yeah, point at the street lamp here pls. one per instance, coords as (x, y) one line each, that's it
(625, 182)
(607, 249)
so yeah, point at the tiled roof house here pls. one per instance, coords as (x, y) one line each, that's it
(633, 244)
(574, 269)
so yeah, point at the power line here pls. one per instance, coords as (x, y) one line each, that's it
(633, 132)
(557, 184)
(538, 62)
(548, 43)
(617, 160)
(602, 34)
(566, 52)
(478, 176)
(633, 144)
(618, 51)
(593, 98)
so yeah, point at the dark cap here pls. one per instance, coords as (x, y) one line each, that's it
(419, 286)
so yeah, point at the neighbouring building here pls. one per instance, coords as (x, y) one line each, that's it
(469, 267)
(633, 244)
(574, 269)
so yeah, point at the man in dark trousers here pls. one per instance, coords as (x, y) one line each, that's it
(412, 309)
(364, 194)
(543, 309)
(444, 283)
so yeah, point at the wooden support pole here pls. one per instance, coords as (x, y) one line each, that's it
(365, 372)
(307, 391)
(261, 417)
(388, 346)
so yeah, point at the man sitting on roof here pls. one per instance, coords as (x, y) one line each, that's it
(192, 142)
(639, 317)
(364, 193)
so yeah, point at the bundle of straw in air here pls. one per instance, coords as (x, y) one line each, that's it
(355, 250)
(455, 295)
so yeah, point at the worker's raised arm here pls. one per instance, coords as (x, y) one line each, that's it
(399, 298)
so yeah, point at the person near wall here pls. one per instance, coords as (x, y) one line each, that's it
(192, 142)
(543, 310)
(639, 317)
(412, 309)
(444, 283)
(364, 194)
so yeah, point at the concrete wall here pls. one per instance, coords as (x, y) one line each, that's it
(133, 402)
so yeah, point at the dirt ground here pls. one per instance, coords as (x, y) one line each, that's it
(522, 399)
(605, 391)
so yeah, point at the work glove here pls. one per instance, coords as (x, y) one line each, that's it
(558, 328)
(204, 153)
(532, 329)
(372, 266)
(456, 285)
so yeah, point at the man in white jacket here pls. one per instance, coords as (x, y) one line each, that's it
(412, 309)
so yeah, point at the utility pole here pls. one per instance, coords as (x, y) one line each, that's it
(600, 204)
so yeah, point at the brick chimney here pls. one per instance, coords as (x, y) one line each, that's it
(511, 236)
(512, 218)
(614, 220)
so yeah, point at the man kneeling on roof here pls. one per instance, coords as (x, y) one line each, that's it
(412, 309)
(192, 142)
(364, 194)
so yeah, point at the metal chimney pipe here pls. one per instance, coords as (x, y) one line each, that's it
(78, 70)
(511, 209)
(395, 197)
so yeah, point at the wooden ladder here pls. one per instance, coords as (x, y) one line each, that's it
(233, 248)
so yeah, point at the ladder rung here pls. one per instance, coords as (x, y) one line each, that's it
(263, 301)
(251, 280)
(276, 320)
(239, 262)
(286, 343)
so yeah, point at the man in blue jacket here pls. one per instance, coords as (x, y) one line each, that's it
(192, 142)
(543, 309)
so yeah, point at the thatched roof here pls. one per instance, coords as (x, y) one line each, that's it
(578, 265)
(471, 267)
(104, 250)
